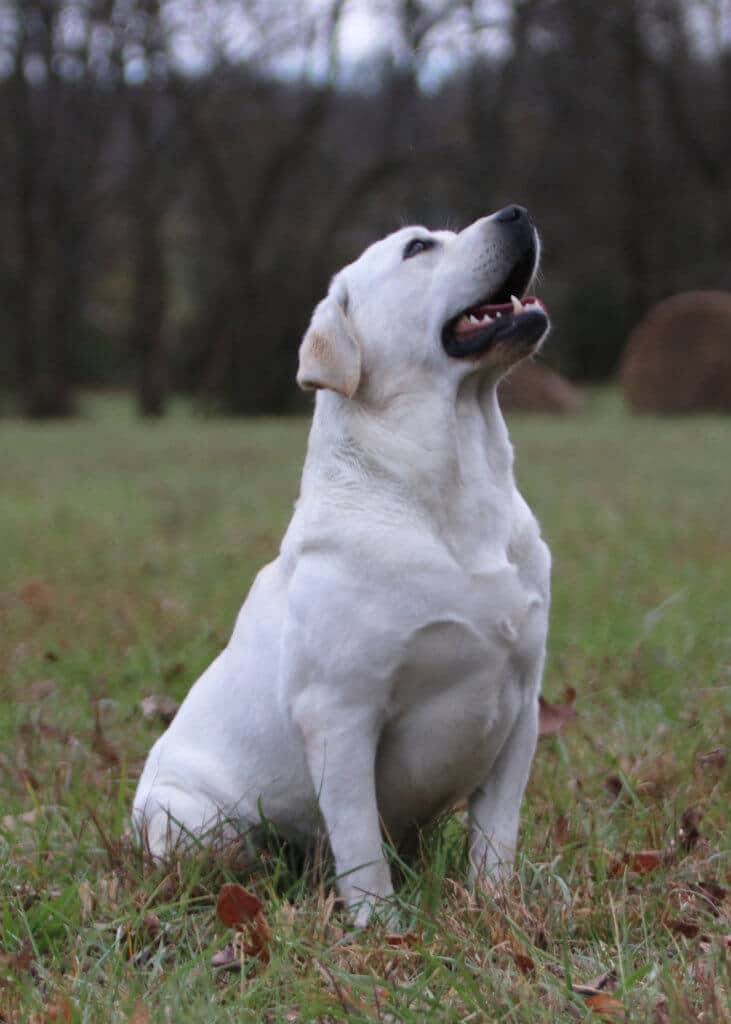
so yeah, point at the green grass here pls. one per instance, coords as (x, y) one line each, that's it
(126, 550)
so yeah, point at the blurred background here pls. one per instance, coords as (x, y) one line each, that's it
(180, 178)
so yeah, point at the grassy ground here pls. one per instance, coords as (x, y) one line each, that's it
(125, 553)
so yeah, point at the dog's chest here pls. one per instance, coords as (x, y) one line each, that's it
(462, 682)
(483, 623)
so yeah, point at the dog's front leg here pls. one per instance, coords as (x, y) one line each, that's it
(494, 807)
(340, 744)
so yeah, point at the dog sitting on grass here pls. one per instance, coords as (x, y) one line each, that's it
(388, 663)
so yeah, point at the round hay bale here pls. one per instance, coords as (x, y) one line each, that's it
(678, 358)
(533, 387)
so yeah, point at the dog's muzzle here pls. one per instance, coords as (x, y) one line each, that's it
(505, 316)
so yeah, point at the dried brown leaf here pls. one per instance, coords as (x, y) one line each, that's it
(37, 595)
(553, 717)
(58, 1010)
(524, 963)
(240, 909)
(407, 939)
(661, 1014)
(641, 862)
(606, 1006)
(714, 760)
(17, 963)
(614, 784)
(150, 927)
(140, 1013)
(31, 730)
(683, 927)
(603, 982)
(689, 833)
(711, 891)
(236, 906)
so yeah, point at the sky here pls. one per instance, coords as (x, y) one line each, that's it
(293, 34)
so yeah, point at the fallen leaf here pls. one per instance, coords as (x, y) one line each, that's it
(58, 1010)
(523, 963)
(687, 928)
(561, 830)
(17, 963)
(614, 784)
(606, 1006)
(711, 891)
(407, 939)
(661, 1014)
(29, 731)
(150, 927)
(26, 779)
(159, 706)
(240, 909)
(689, 833)
(236, 906)
(140, 1013)
(641, 862)
(714, 759)
(553, 717)
(604, 981)
(36, 595)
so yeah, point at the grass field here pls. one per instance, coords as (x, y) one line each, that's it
(125, 552)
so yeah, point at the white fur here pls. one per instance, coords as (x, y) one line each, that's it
(388, 662)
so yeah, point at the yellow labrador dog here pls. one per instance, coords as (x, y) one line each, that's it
(388, 662)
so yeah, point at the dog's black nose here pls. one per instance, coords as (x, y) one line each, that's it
(511, 213)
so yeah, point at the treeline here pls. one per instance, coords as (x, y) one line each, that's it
(171, 207)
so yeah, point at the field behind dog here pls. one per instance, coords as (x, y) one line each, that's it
(125, 552)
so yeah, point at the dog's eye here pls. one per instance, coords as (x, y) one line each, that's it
(418, 245)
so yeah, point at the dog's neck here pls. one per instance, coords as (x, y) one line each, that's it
(443, 459)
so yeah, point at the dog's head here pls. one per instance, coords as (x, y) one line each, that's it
(423, 304)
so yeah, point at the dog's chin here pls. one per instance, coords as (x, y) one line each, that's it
(516, 329)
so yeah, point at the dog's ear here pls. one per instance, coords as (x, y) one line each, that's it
(329, 355)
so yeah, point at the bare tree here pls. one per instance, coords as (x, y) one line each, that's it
(59, 121)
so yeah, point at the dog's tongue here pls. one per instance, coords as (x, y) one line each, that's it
(492, 309)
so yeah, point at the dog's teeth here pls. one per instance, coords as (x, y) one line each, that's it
(473, 319)
(498, 314)
(517, 304)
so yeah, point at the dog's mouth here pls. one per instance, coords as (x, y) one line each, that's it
(507, 316)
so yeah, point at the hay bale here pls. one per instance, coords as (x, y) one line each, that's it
(678, 358)
(533, 387)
